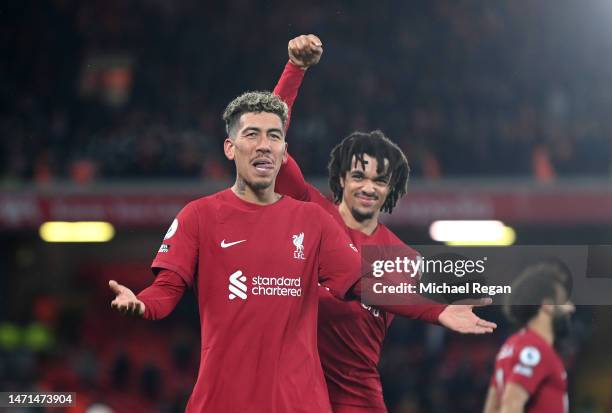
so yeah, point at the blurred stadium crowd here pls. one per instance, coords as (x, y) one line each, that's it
(129, 89)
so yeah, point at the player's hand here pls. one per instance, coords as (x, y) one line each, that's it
(125, 301)
(305, 50)
(461, 318)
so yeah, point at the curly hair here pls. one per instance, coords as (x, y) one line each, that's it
(254, 102)
(376, 145)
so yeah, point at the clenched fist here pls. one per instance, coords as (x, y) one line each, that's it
(305, 50)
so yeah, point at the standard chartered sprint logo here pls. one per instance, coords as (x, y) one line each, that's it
(282, 286)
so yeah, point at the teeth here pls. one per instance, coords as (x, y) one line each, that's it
(262, 166)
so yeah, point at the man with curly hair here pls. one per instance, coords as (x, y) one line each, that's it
(368, 174)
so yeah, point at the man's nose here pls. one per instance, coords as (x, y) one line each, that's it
(368, 187)
(263, 144)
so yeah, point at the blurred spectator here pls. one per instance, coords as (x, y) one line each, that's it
(115, 90)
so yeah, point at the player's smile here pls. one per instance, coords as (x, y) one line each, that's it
(365, 190)
(366, 200)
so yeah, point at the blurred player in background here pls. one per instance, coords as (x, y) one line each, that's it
(368, 174)
(253, 258)
(529, 375)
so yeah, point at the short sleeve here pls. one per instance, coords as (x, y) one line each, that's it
(529, 368)
(179, 249)
(339, 260)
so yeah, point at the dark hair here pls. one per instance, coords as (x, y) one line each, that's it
(535, 284)
(376, 145)
(564, 274)
(254, 102)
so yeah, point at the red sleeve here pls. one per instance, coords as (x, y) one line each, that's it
(530, 368)
(416, 307)
(290, 181)
(179, 250)
(288, 86)
(410, 305)
(339, 260)
(163, 295)
(424, 312)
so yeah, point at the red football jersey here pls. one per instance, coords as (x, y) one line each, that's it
(351, 334)
(528, 360)
(255, 270)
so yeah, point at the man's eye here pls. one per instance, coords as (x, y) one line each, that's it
(275, 137)
(357, 177)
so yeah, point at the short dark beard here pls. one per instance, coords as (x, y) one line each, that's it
(360, 216)
(241, 185)
(561, 326)
(259, 186)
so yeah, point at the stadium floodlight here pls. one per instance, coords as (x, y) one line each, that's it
(80, 231)
(472, 233)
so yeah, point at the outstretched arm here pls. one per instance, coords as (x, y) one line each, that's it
(462, 319)
(154, 302)
(125, 300)
(456, 317)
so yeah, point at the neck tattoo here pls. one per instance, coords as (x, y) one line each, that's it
(240, 186)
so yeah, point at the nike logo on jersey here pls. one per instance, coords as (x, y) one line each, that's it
(229, 244)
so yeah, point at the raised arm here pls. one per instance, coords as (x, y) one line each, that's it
(304, 51)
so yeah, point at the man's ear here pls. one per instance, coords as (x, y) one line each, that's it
(228, 148)
(341, 182)
(286, 154)
(548, 306)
